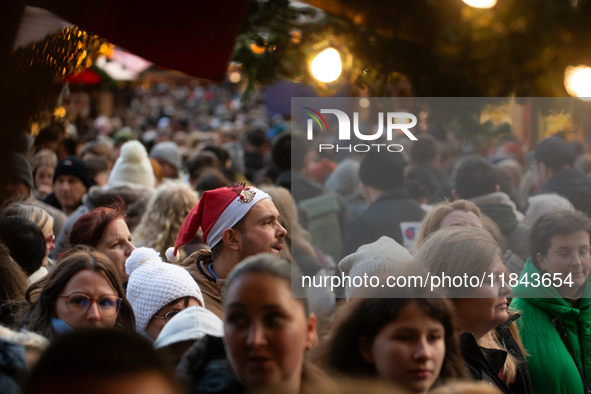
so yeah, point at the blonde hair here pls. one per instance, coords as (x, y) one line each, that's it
(45, 157)
(296, 236)
(466, 250)
(493, 229)
(165, 213)
(433, 219)
(458, 251)
(32, 212)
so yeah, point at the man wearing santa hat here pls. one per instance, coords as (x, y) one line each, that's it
(237, 222)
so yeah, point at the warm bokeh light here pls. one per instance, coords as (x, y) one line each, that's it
(364, 103)
(326, 66)
(234, 77)
(577, 81)
(481, 3)
(256, 49)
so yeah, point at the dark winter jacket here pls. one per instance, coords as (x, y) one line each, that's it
(13, 367)
(515, 232)
(481, 366)
(383, 217)
(205, 370)
(522, 383)
(572, 184)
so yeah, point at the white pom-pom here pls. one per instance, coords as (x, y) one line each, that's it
(140, 256)
(173, 258)
(133, 152)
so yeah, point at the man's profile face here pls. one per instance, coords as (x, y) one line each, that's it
(262, 231)
(69, 190)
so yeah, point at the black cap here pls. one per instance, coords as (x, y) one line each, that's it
(555, 153)
(383, 170)
(74, 166)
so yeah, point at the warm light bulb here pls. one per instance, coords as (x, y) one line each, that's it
(234, 77)
(577, 81)
(481, 3)
(364, 103)
(326, 66)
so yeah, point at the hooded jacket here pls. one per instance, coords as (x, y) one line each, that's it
(211, 288)
(572, 184)
(204, 369)
(502, 211)
(551, 366)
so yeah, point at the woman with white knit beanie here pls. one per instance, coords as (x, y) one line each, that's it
(157, 291)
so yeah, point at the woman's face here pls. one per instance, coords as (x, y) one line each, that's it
(93, 284)
(460, 218)
(156, 324)
(116, 244)
(568, 254)
(408, 351)
(488, 307)
(266, 332)
(44, 179)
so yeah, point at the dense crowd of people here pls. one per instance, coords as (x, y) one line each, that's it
(138, 254)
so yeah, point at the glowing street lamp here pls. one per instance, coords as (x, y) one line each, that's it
(481, 3)
(577, 81)
(326, 66)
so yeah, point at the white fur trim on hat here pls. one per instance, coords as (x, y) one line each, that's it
(170, 256)
(133, 165)
(154, 284)
(235, 211)
(191, 323)
(381, 258)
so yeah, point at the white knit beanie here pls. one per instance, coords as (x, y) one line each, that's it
(154, 284)
(133, 165)
(191, 323)
(381, 258)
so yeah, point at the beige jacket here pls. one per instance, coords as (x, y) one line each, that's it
(210, 288)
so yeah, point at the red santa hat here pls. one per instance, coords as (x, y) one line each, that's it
(216, 211)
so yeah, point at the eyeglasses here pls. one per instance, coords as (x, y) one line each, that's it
(79, 304)
(50, 241)
(168, 316)
(566, 256)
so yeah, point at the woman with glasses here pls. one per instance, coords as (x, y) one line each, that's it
(158, 291)
(555, 324)
(83, 291)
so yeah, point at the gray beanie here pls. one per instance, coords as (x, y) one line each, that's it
(169, 152)
(20, 169)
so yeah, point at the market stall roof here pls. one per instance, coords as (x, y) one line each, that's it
(194, 37)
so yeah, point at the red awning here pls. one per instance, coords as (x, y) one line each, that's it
(191, 36)
(86, 77)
